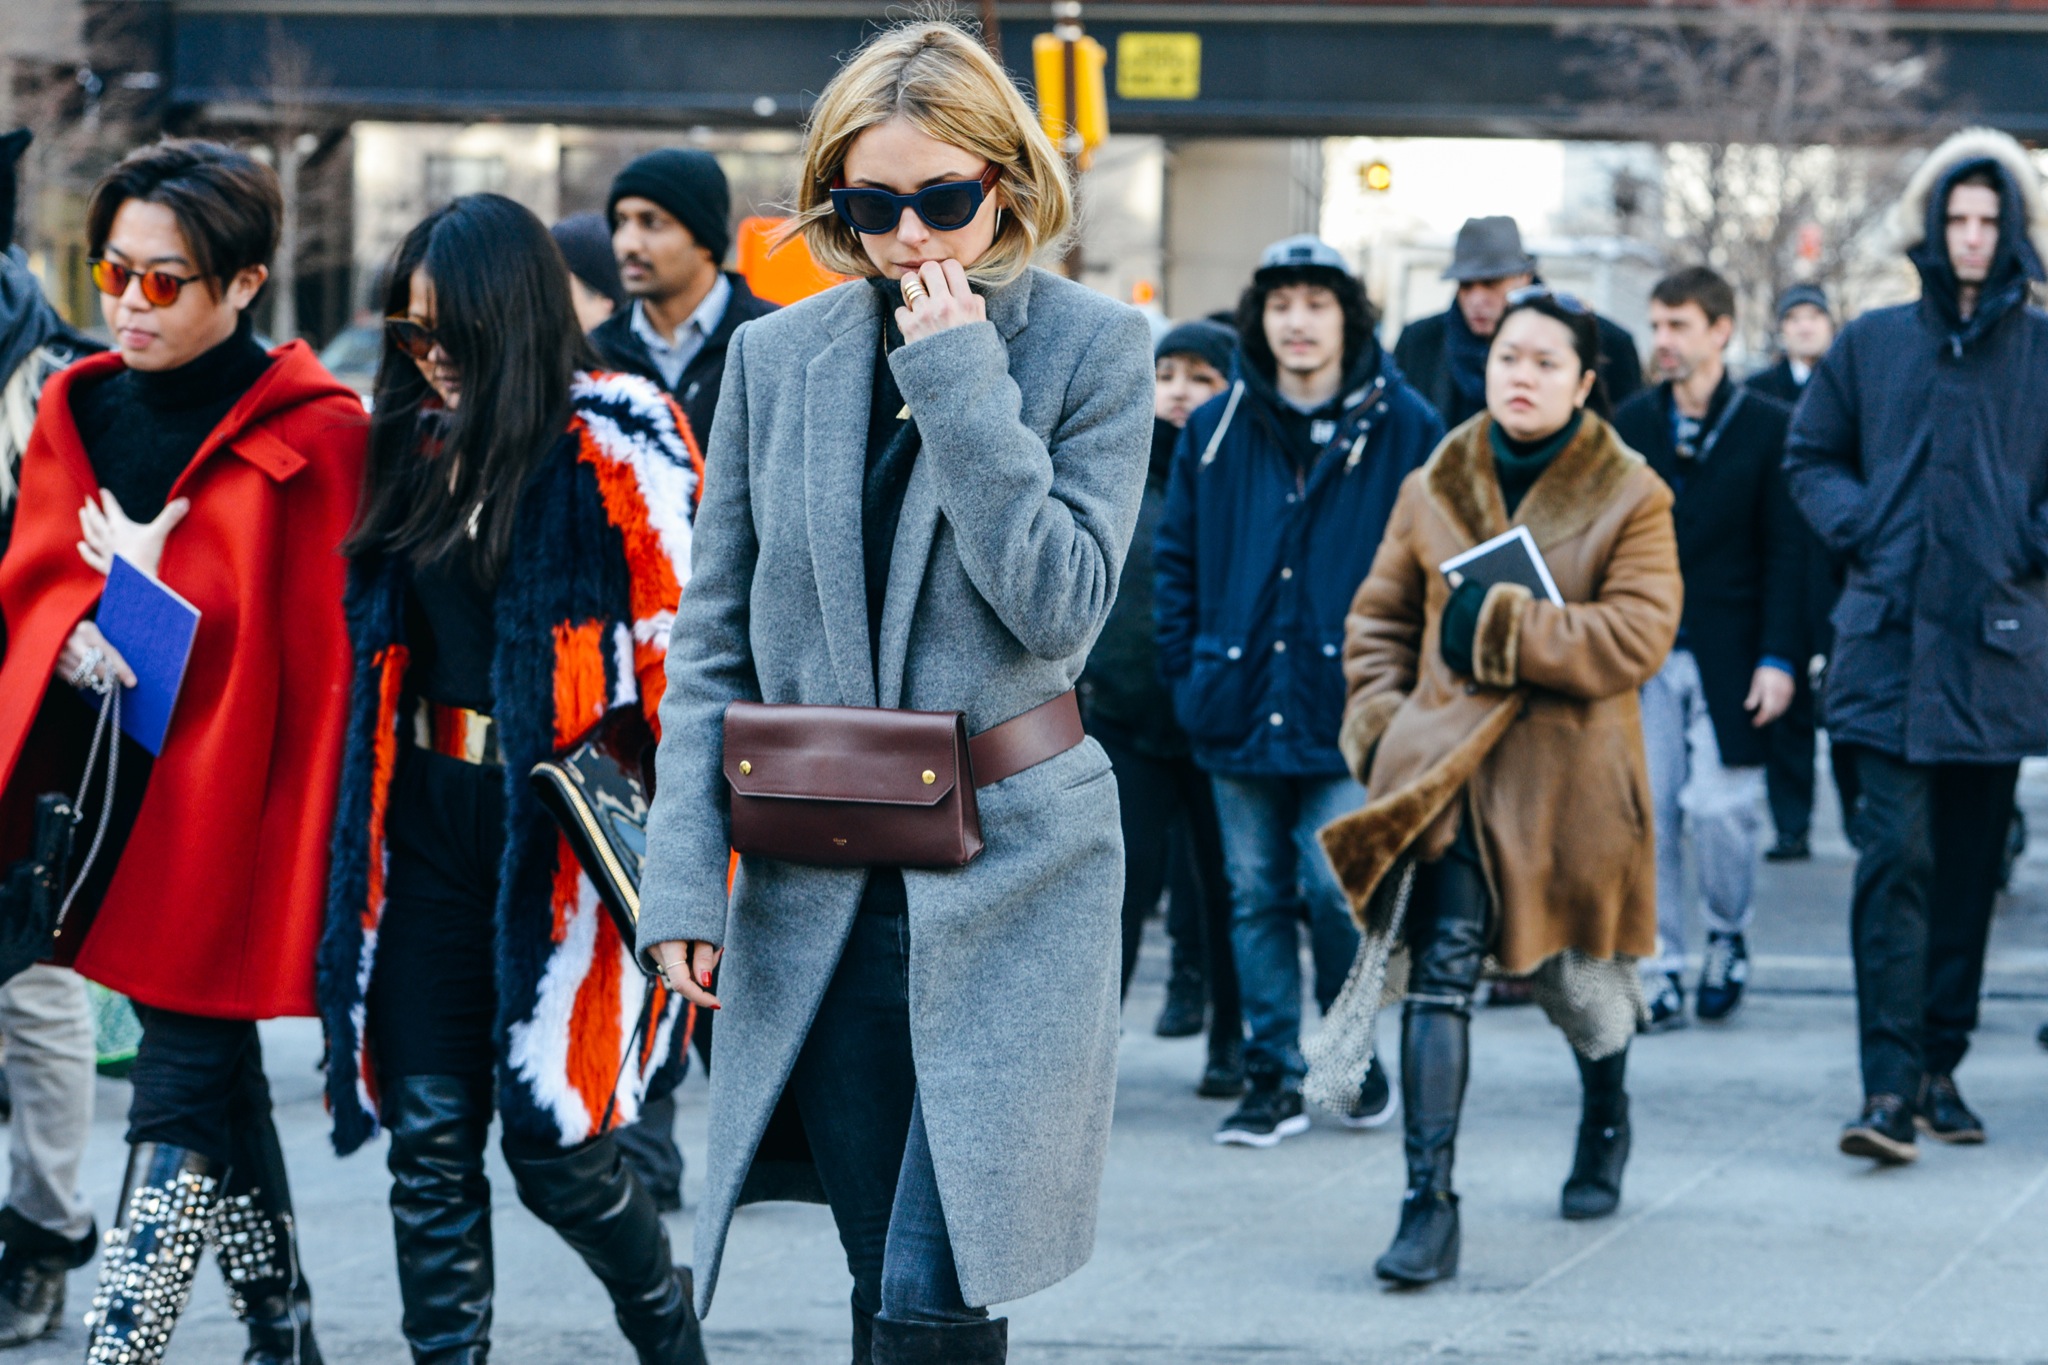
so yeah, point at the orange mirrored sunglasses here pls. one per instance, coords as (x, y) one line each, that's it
(160, 288)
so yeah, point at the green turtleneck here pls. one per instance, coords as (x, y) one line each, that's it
(1518, 464)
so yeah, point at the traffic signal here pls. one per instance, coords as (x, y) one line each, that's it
(1376, 176)
(1080, 126)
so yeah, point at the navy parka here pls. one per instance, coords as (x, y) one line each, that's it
(1257, 563)
(1919, 455)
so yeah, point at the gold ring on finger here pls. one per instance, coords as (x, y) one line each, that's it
(913, 291)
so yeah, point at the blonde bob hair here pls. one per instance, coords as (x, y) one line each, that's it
(938, 77)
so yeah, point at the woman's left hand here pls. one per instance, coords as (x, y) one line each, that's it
(109, 532)
(948, 302)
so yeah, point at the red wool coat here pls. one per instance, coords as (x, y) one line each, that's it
(217, 903)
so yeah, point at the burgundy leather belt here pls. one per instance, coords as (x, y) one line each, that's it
(1045, 731)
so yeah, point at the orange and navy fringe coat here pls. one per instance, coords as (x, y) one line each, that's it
(583, 609)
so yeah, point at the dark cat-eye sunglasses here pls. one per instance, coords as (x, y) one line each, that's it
(946, 207)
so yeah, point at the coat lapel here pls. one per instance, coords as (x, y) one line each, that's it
(917, 525)
(1564, 501)
(837, 383)
(1462, 483)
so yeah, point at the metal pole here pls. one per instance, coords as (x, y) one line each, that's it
(1067, 28)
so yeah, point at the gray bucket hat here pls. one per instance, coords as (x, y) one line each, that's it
(1489, 249)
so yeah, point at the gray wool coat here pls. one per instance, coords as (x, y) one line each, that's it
(1036, 427)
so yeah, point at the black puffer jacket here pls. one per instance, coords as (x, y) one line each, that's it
(1121, 689)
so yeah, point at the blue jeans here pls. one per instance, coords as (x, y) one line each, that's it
(855, 1087)
(1277, 869)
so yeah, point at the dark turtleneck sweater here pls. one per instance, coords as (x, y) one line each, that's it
(141, 428)
(891, 455)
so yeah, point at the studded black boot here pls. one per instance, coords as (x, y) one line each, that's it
(168, 1202)
(257, 1241)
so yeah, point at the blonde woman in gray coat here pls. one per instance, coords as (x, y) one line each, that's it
(918, 495)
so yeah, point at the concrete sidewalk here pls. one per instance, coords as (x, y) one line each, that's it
(1742, 1236)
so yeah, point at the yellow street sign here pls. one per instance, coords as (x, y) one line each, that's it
(1158, 66)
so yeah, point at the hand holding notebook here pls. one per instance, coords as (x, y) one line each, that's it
(153, 628)
(1511, 557)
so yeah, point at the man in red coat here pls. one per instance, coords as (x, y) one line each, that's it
(232, 474)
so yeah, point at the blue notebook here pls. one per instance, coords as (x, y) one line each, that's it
(153, 628)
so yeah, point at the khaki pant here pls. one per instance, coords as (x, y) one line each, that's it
(46, 1020)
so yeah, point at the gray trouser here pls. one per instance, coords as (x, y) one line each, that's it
(1722, 808)
(46, 1020)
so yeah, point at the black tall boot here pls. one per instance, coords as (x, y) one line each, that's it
(441, 1214)
(942, 1343)
(1594, 1188)
(168, 1201)
(1434, 1062)
(599, 1208)
(257, 1241)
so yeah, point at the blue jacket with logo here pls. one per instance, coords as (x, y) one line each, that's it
(1257, 563)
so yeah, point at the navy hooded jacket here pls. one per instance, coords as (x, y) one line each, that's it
(1919, 455)
(1257, 563)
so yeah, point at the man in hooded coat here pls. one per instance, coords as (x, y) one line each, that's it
(1919, 454)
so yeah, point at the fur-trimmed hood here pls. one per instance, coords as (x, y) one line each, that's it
(1910, 214)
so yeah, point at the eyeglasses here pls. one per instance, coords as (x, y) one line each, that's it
(410, 337)
(946, 207)
(160, 288)
(1531, 293)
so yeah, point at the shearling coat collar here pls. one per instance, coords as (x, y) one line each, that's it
(1566, 499)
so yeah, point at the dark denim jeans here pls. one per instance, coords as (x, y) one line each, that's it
(1276, 869)
(856, 1087)
(1932, 837)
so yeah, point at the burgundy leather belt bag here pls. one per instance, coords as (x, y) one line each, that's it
(857, 786)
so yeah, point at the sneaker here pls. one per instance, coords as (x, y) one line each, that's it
(1667, 1005)
(1374, 1103)
(1790, 848)
(1883, 1132)
(1186, 1008)
(1942, 1115)
(1271, 1112)
(1722, 978)
(1223, 1077)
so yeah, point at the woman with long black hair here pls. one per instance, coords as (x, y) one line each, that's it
(514, 574)
(1498, 736)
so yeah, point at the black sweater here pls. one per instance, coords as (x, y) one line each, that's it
(141, 428)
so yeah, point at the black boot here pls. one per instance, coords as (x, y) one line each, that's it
(441, 1214)
(863, 1335)
(168, 1201)
(1187, 1004)
(258, 1246)
(942, 1343)
(1434, 1061)
(587, 1195)
(1594, 1189)
(32, 1275)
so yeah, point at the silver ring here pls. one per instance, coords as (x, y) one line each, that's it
(89, 667)
(913, 283)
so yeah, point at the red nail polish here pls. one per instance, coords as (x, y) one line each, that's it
(704, 980)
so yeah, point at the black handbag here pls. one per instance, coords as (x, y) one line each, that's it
(598, 792)
(39, 889)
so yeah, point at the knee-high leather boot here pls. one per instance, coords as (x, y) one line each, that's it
(168, 1202)
(599, 1208)
(1594, 1188)
(441, 1214)
(257, 1241)
(1434, 1061)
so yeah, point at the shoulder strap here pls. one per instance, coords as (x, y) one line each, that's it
(1229, 411)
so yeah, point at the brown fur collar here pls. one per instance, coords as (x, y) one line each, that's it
(1578, 486)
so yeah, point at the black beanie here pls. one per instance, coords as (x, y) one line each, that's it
(690, 185)
(586, 245)
(1211, 341)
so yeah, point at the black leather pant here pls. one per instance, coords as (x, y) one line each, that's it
(1448, 927)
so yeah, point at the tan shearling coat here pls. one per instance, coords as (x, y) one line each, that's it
(1546, 740)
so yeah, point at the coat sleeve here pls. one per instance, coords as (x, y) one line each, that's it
(710, 664)
(1620, 639)
(1823, 453)
(1042, 528)
(1383, 634)
(1173, 565)
(1787, 545)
